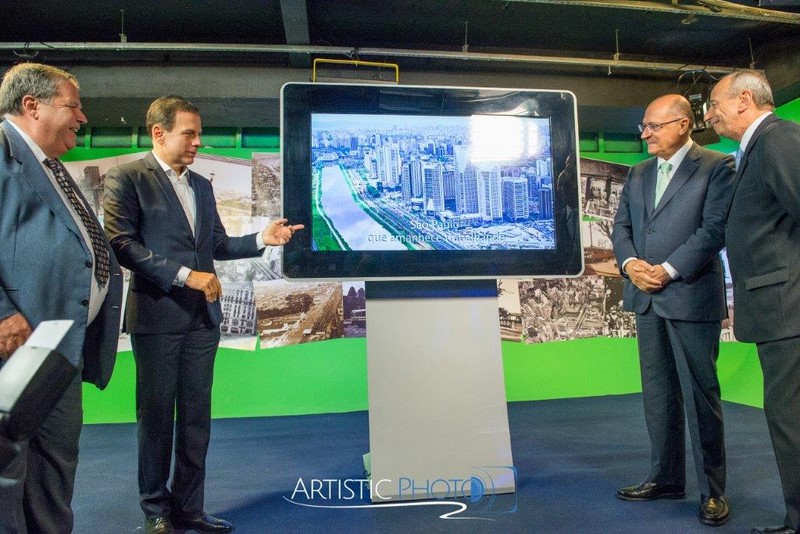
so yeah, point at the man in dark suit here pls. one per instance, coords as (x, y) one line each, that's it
(162, 221)
(667, 235)
(54, 264)
(762, 238)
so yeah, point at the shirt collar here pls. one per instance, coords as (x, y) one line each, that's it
(36, 149)
(748, 133)
(678, 156)
(170, 172)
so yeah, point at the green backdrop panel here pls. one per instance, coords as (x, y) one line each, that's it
(576, 368)
(322, 377)
(331, 376)
(740, 375)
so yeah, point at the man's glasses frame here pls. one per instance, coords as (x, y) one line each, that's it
(656, 126)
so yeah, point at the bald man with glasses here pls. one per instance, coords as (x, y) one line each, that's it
(667, 235)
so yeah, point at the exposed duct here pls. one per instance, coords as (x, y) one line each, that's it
(708, 8)
(125, 47)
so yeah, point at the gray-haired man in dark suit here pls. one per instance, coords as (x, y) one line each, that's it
(762, 238)
(667, 235)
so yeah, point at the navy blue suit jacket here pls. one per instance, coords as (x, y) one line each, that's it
(45, 264)
(151, 236)
(686, 230)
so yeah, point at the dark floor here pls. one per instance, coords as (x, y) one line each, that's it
(570, 456)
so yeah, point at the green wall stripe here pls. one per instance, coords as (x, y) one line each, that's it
(331, 377)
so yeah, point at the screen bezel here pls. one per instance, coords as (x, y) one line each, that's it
(300, 261)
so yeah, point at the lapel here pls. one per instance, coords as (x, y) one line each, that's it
(649, 186)
(765, 124)
(168, 190)
(682, 174)
(32, 172)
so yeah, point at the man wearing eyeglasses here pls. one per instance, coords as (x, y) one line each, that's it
(763, 236)
(668, 231)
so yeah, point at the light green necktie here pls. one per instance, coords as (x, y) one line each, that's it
(662, 180)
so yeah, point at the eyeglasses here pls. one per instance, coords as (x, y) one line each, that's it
(654, 127)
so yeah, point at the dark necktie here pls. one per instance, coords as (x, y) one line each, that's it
(90, 223)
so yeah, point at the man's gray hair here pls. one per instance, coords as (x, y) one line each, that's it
(35, 79)
(755, 82)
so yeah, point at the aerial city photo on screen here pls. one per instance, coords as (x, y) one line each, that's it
(412, 182)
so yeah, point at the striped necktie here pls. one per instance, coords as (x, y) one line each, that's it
(101, 256)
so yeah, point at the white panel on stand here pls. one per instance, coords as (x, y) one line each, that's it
(438, 420)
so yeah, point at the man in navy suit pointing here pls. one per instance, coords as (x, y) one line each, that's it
(162, 221)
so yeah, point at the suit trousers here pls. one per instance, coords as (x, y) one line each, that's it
(680, 384)
(174, 375)
(780, 362)
(36, 487)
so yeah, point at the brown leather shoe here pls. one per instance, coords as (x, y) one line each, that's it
(714, 511)
(649, 491)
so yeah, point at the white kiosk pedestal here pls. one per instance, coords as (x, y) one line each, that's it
(438, 421)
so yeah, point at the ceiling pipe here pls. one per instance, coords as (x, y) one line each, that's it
(23, 49)
(706, 8)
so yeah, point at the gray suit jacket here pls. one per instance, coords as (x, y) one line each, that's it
(148, 229)
(686, 230)
(763, 234)
(45, 264)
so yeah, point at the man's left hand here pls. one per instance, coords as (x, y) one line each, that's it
(279, 233)
(660, 273)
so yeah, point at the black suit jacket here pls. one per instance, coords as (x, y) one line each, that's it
(763, 234)
(149, 232)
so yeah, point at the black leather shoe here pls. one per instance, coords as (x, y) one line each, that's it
(780, 529)
(714, 511)
(203, 523)
(650, 491)
(158, 525)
